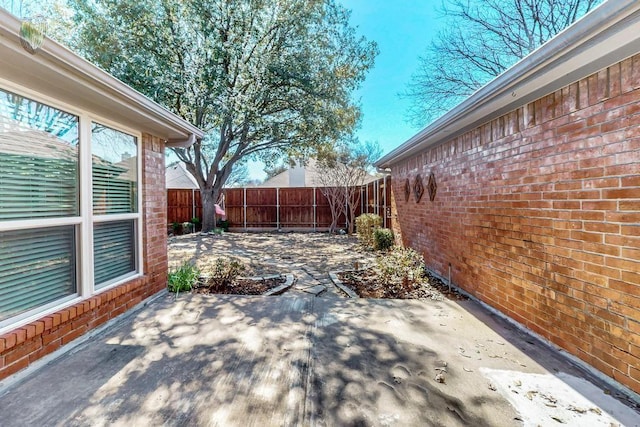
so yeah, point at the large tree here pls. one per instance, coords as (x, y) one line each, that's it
(480, 40)
(263, 78)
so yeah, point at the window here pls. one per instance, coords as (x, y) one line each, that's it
(38, 267)
(115, 184)
(38, 160)
(114, 171)
(67, 228)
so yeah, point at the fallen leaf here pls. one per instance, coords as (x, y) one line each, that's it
(492, 387)
(467, 370)
(558, 420)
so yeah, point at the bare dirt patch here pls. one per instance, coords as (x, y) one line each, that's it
(367, 284)
(242, 287)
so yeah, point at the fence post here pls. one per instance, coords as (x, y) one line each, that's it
(244, 206)
(366, 193)
(315, 218)
(278, 208)
(384, 201)
(376, 199)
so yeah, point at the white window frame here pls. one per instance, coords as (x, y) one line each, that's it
(85, 286)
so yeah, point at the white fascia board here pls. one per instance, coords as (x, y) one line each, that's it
(603, 37)
(67, 71)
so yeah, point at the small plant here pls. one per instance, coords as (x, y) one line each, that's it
(223, 224)
(183, 278)
(195, 222)
(177, 228)
(383, 239)
(401, 268)
(366, 224)
(222, 272)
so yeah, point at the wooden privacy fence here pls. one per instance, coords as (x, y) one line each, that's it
(183, 204)
(268, 208)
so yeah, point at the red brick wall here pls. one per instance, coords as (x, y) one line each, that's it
(538, 213)
(22, 346)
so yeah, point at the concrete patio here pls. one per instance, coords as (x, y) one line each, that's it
(299, 360)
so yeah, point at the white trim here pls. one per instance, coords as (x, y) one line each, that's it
(116, 281)
(86, 209)
(40, 97)
(98, 219)
(61, 62)
(30, 224)
(138, 222)
(605, 36)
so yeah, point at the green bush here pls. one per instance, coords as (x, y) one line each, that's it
(400, 268)
(196, 223)
(183, 279)
(222, 272)
(223, 224)
(176, 228)
(383, 239)
(366, 224)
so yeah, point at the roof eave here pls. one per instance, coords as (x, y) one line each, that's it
(62, 62)
(601, 38)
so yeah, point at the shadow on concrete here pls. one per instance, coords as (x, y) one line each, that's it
(229, 360)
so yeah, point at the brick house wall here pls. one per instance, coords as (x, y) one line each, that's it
(22, 346)
(538, 213)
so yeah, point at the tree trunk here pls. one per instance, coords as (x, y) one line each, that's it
(352, 218)
(209, 200)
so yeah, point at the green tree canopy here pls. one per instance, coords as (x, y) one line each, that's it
(262, 78)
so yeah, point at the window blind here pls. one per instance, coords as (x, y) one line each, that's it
(38, 160)
(113, 250)
(114, 171)
(38, 267)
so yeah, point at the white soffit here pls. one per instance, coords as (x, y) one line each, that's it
(58, 73)
(603, 37)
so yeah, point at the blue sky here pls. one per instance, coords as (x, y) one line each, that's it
(403, 29)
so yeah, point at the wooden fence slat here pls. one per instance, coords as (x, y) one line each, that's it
(270, 207)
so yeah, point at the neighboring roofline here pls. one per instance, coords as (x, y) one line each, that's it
(606, 35)
(186, 174)
(63, 61)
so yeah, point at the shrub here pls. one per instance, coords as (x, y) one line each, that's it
(177, 228)
(400, 268)
(183, 279)
(223, 224)
(366, 224)
(222, 272)
(383, 239)
(196, 223)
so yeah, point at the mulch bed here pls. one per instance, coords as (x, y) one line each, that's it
(367, 285)
(241, 287)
